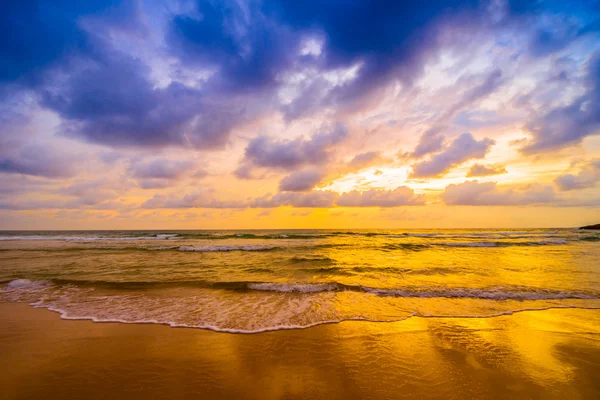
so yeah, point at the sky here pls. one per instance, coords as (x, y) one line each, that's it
(241, 114)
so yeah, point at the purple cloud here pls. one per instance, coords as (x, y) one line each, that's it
(568, 125)
(265, 152)
(301, 181)
(474, 193)
(486, 170)
(401, 196)
(462, 149)
(587, 177)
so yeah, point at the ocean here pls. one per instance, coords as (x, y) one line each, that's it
(256, 281)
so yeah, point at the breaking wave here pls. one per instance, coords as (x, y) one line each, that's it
(492, 293)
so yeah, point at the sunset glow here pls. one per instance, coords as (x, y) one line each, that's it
(236, 114)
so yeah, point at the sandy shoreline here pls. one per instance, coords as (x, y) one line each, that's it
(542, 354)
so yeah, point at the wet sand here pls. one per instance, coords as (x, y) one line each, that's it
(551, 354)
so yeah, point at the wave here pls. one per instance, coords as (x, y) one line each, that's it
(491, 293)
(159, 236)
(93, 248)
(217, 236)
(294, 287)
(407, 271)
(328, 271)
(283, 305)
(590, 238)
(311, 259)
(408, 292)
(405, 246)
(226, 248)
(503, 244)
(65, 315)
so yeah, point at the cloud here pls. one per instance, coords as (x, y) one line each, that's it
(247, 49)
(200, 199)
(44, 160)
(401, 196)
(387, 44)
(474, 193)
(36, 35)
(301, 180)
(265, 152)
(100, 188)
(568, 125)
(309, 178)
(432, 140)
(312, 199)
(159, 173)
(160, 169)
(486, 170)
(462, 149)
(365, 159)
(557, 32)
(111, 100)
(76, 58)
(587, 177)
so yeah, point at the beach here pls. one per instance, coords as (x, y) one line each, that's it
(300, 199)
(283, 314)
(553, 354)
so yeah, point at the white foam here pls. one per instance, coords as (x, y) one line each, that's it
(278, 327)
(19, 283)
(225, 248)
(252, 312)
(64, 315)
(166, 236)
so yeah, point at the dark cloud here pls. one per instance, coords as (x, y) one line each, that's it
(568, 125)
(559, 30)
(462, 149)
(587, 177)
(105, 95)
(486, 170)
(112, 101)
(474, 193)
(385, 36)
(247, 49)
(37, 34)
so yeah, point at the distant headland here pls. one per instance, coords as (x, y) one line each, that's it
(597, 226)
